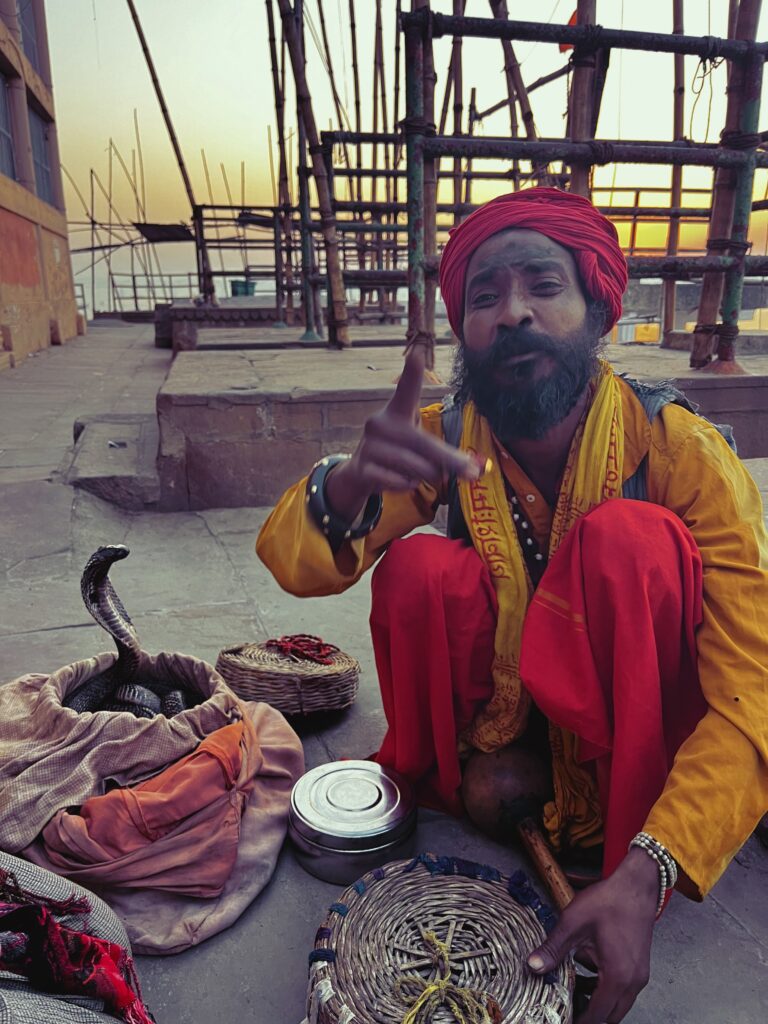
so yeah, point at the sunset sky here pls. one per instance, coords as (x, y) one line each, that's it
(213, 62)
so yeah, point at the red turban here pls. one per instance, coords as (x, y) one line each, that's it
(566, 218)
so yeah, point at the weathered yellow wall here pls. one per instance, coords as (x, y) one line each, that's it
(37, 303)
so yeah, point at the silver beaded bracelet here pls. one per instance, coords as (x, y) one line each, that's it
(664, 861)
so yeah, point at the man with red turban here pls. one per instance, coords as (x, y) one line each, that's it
(597, 605)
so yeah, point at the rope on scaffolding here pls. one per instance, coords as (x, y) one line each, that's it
(600, 152)
(734, 139)
(733, 247)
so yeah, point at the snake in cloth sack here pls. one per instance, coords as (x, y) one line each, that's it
(118, 688)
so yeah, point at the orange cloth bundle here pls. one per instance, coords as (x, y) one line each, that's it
(148, 835)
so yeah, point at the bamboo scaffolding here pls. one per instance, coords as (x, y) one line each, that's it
(340, 117)
(516, 91)
(206, 281)
(727, 230)
(735, 158)
(337, 321)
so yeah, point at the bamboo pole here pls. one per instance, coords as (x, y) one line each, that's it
(358, 196)
(311, 333)
(581, 100)
(516, 85)
(378, 87)
(206, 280)
(109, 225)
(211, 201)
(337, 327)
(151, 249)
(283, 189)
(228, 191)
(92, 215)
(723, 201)
(514, 127)
(676, 193)
(471, 130)
(430, 192)
(356, 81)
(458, 107)
(334, 91)
(272, 179)
(375, 107)
(132, 184)
(396, 105)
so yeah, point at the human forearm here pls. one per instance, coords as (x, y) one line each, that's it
(345, 492)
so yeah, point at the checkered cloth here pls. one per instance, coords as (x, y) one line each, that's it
(20, 1002)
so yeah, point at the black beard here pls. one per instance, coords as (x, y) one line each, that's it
(527, 408)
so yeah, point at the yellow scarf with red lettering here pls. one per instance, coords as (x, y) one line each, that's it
(593, 473)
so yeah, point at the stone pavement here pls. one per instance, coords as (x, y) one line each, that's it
(193, 584)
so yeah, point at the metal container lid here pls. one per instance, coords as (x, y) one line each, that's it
(352, 805)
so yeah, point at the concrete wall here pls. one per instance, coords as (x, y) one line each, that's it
(236, 430)
(37, 300)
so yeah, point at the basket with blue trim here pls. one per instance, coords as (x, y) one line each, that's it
(435, 939)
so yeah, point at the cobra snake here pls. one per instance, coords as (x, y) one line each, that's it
(120, 688)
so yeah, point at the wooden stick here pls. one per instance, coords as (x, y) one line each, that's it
(549, 870)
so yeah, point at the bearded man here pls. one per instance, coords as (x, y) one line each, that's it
(602, 597)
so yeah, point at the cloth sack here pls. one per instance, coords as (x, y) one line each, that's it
(52, 758)
(150, 834)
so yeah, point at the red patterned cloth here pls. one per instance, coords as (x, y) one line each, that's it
(567, 219)
(66, 962)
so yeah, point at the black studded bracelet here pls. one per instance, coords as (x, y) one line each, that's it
(336, 529)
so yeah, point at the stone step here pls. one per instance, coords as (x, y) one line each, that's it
(115, 458)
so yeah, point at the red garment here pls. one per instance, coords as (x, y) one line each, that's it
(568, 219)
(67, 962)
(626, 685)
(609, 653)
(433, 621)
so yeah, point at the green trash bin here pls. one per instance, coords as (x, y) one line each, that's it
(242, 288)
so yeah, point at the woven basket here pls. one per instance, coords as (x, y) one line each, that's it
(293, 685)
(375, 953)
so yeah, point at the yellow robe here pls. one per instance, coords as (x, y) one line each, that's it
(717, 790)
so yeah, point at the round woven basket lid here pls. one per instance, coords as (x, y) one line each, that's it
(349, 805)
(436, 939)
(258, 657)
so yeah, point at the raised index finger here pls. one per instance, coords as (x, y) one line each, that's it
(406, 400)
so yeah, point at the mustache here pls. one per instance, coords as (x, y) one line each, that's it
(518, 341)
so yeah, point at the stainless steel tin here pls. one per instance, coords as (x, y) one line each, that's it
(348, 817)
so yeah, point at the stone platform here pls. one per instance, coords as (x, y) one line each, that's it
(238, 427)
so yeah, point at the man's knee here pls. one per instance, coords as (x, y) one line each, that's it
(632, 531)
(425, 560)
